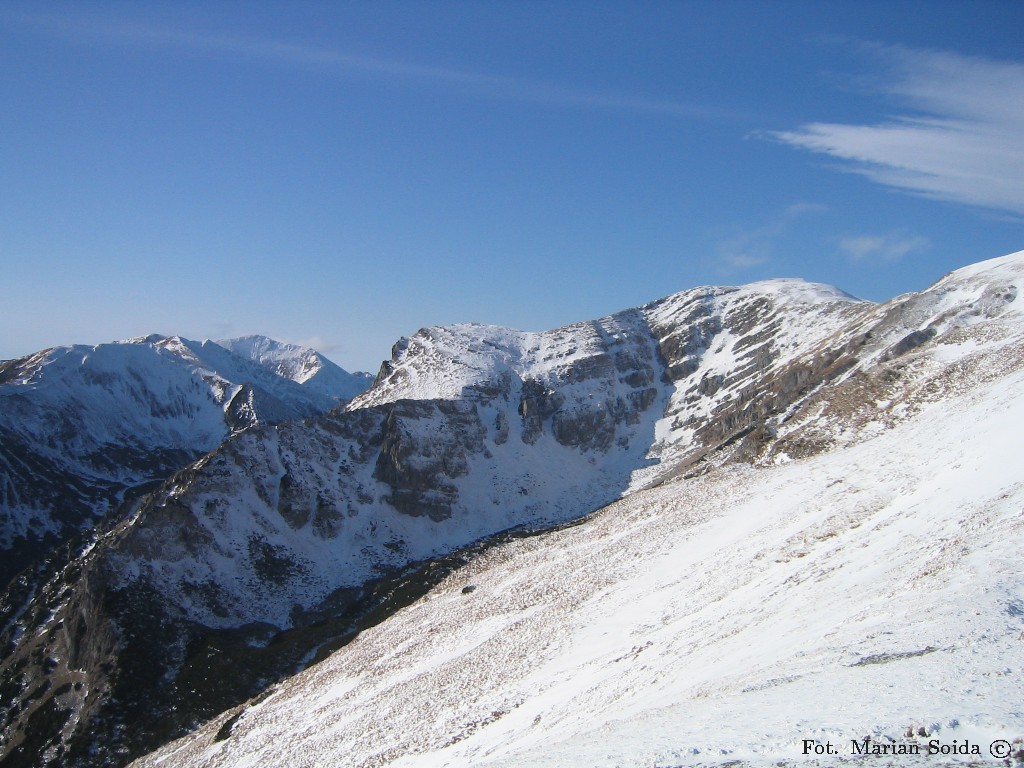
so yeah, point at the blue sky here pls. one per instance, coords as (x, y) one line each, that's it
(342, 174)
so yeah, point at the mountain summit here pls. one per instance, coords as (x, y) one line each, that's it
(302, 365)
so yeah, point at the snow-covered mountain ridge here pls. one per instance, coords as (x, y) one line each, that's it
(319, 377)
(467, 431)
(860, 578)
(79, 425)
(719, 620)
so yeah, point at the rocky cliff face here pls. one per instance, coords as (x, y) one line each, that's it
(469, 430)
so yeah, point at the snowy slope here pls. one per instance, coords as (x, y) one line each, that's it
(719, 354)
(727, 617)
(871, 586)
(739, 355)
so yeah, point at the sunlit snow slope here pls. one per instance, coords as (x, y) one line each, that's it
(859, 575)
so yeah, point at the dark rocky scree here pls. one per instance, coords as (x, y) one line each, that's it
(31, 477)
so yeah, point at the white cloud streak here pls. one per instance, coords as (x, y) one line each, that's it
(756, 246)
(960, 142)
(339, 63)
(319, 344)
(892, 246)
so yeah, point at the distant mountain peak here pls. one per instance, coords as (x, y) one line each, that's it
(153, 338)
(303, 365)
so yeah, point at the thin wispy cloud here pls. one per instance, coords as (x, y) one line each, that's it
(318, 343)
(958, 141)
(337, 62)
(756, 245)
(892, 246)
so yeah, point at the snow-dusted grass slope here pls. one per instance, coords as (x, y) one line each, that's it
(720, 618)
